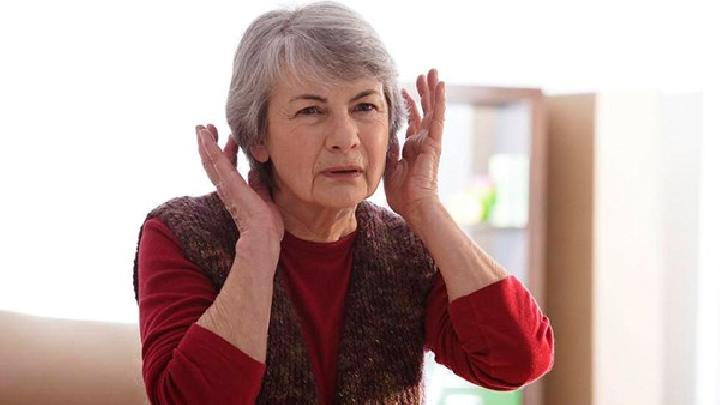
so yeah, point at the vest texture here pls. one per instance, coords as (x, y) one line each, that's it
(380, 356)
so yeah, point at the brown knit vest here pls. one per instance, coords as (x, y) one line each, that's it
(380, 355)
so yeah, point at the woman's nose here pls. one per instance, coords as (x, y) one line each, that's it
(343, 135)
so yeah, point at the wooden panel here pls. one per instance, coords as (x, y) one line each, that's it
(569, 255)
(537, 222)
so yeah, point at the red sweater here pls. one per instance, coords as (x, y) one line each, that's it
(496, 337)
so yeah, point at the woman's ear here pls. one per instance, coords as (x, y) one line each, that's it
(260, 153)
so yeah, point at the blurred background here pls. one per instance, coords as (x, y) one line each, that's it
(580, 151)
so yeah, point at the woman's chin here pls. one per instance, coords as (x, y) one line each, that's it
(343, 198)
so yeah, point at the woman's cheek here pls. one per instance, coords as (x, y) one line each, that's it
(376, 167)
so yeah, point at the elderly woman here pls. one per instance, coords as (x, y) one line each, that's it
(292, 288)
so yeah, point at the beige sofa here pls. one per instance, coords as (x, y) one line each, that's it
(58, 361)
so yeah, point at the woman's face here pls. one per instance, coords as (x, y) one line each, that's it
(327, 143)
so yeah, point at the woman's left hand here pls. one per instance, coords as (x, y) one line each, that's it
(411, 183)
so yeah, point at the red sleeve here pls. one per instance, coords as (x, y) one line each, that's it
(495, 337)
(183, 362)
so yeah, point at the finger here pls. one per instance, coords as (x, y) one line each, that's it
(432, 79)
(213, 159)
(438, 116)
(206, 162)
(422, 88)
(209, 161)
(225, 189)
(414, 119)
(427, 119)
(414, 115)
(213, 131)
(235, 193)
(230, 150)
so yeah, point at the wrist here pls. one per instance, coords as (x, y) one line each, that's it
(255, 261)
(422, 216)
(257, 245)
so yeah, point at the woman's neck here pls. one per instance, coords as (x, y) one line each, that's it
(313, 222)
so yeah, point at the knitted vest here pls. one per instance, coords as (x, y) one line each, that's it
(380, 355)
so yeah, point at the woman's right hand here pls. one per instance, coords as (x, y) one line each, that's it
(250, 205)
(241, 311)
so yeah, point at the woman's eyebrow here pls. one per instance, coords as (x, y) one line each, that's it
(358, 96)
(364, 93)
(309, 97)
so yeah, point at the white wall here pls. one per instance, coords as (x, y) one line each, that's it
(646, 252)
(708, 298)
(679, 173)
(628, 264)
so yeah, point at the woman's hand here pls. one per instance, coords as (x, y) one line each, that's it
(250, 205)
(240, 313)
(411, 184)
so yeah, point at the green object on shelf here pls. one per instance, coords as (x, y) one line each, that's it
(483, 396)
(487, 202)
(475, 204)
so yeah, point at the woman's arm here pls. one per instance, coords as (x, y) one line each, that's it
(495, 337)
(465, 267)
(411, 188)
(183, 361)
(241, 311)
(480, 322)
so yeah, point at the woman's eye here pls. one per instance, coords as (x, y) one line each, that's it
(309, 111)
(366, 107)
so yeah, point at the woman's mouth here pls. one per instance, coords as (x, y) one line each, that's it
(346, 172)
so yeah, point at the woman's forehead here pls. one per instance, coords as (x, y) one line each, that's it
(288, 90)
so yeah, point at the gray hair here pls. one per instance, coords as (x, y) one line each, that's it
(324, 41)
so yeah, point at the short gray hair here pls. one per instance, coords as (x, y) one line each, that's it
(323, 41)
